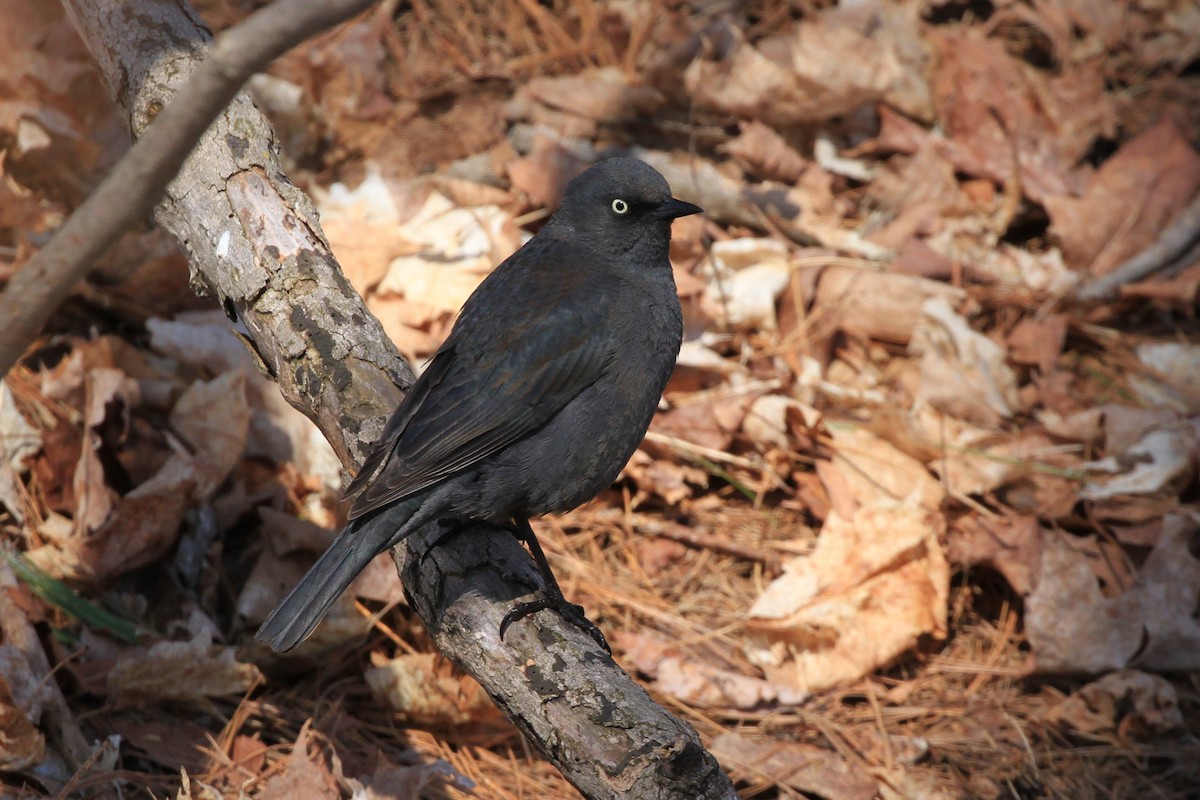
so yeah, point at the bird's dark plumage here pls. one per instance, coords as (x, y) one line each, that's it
(540, 394)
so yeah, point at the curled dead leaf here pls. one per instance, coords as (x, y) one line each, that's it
(803, 767)
(1074, 627)
(426, 689)
(874, 584)
(1127, 702)
(188, 672)
(693, 680)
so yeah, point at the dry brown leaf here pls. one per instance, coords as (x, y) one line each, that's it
(918, 191)
(213, 418)
(766, 424)
(1010, 545)
(458, 247)
(54, 113)
(141, 529)
(342, 71)
(963, 372)
(392, 782)
(977, 466)
(708, 421)
(105, 389)
(307, 775)
(188, 672)
(924, 432)
(543, 173)
(410, 338)
(287, 533)
(602, 94)
(363, 227)
(1125, 426)
(868, 471)
(873, 586)
(23, 211)
(1127, 703)
(748, 277)
(18, 440)
(166, 740)
(1129, 201)
(993, 106)
(277, 431)
(427, 690)
(22, 745)
(22, 695)
(806, 77)
(764, 152)
(672, 482)
(1176, 382)
(803, 767)
(882, 305)
(681, 674)
(656, 555)
(1038, 341)
(1163, 459)
(1073, 627)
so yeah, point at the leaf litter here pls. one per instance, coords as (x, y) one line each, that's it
(911, 521)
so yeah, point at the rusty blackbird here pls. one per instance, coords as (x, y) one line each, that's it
(541, 393)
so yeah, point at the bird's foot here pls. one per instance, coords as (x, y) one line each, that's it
(552, 596)
(569, 611)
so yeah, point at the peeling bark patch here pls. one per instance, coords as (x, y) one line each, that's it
(590, 658)
(342, 377)
(606, 716)
(688, 760)
(308, 383)
(237, 145)
(307, 263)
(261, 210)
(545, 686)
(631, 757)
(324, 343)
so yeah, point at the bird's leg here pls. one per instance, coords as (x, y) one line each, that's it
(553, 595)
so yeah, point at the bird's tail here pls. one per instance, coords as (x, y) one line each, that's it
(308, 603)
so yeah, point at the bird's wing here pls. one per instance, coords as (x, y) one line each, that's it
(478, 396)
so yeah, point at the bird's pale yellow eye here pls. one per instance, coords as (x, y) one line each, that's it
(620, 206)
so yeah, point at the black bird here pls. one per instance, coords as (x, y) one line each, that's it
(543, 390)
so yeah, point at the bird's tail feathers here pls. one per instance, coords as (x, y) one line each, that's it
(308, 603)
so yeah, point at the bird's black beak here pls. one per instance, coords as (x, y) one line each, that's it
(673, 209)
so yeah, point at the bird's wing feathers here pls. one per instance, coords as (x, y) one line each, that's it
(477, 397)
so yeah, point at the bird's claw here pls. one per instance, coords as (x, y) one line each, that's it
(569, 611)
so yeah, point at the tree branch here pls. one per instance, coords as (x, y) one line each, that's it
(254, 243)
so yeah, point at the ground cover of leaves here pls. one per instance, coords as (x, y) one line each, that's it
(917, 518)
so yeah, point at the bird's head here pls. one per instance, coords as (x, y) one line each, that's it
(618, 205)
